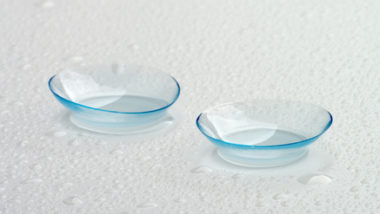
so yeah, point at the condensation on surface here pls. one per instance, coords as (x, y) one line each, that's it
(322, 52)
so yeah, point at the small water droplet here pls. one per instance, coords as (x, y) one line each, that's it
(59, 133)
(26, 66)
(117, 152)
(32, 180)
(66, 185)
(259, 195)
(354, 189)
(315, 179)
(259, 204)
(202, 196)
(47, 4)
(242, 31)
(74, 142)
(236, 176)
(280, 196)
(102, 143)
(18, 103)
(24, 143)
(76, 59)
(134, 46)
(77, 153)
(180, 200)
(118, 186)
(73, 200)
(201, 169)
(5, 112)
(36, 167)
(147, 205)
(146, 158)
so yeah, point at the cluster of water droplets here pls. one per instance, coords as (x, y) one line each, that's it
(57, 170)
(88, 158)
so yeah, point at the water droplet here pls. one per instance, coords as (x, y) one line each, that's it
(59, 133)
(259, 204)
(5, 112)
(47, 4)
(180, 200)
(280, 196)
(315, 179)
(117, 152)
(67, 185)
(202, 196)
(24, 143)
(201, 169)
(259, 195)
(73, 200)
(32, 180)
(76, 59)
(36, 167)
(118, 186)
(26, 66)
(354, 189)
(18, 103)
(146, 158)
(74, 142)
(147, 205)
(102, 143)
(134, 46)
(236, 176)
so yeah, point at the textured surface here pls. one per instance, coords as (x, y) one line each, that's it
(324, 52)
